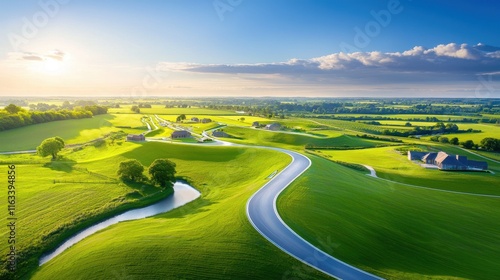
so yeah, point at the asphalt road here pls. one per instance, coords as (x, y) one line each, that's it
(262, 213)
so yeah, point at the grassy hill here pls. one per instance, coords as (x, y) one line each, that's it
(296, 140)
(391, 165)
(392, 230)
(208, 238)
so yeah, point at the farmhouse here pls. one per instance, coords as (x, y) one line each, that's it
(136, 137)
(180, 134)
(429, 158)
(206, 120)
(219, 133)
(414, 155)
(273, 126)
(195, 119)
(444, 161)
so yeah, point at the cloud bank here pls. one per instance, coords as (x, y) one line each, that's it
(442, 63)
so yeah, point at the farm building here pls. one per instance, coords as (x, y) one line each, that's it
(429, 158)
(219, 133)
(414, 155)
(180, 134)
(206, 120)
(444, 161)
(273, 126)
(195, 119)
(136, 137)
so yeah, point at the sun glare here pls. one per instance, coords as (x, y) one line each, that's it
(52, 67)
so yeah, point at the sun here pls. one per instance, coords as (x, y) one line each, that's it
(52, 67)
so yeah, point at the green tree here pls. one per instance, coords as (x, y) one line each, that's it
(491, 144)
(13, 109)
(50, 146)
(162, 172)
(469, 144)
(444, 140)
(131, 170)
(454, 141)
(136, 109)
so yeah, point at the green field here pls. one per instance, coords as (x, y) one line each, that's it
(72, 131)
(408, 116)
(161, 110)
(391, 165)
(391, 230)
(208, 238)
(57, 198)
(296, 141)
(487, 130)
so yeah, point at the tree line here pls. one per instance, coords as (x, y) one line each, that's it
(13, 116)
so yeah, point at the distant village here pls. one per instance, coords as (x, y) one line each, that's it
(443, 161)
(216, 133)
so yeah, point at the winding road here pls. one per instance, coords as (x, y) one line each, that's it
(263, 214)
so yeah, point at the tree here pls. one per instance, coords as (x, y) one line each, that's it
(444, 140)
(50, 146)
(162, 172)
(435, 138)
(131, 170)
(12, 109)
(408, 124)
(491, 144)
(469, 144)
(135, 109)
(454, 141)
(181, 118)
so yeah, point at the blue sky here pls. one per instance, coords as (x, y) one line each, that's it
(250, 48)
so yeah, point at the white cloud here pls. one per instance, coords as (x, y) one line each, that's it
(443, 62)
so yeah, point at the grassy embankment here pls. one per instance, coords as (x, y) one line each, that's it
(391, 230)
(208, 238)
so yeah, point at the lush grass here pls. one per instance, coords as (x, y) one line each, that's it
(391, 165)
(487, 130)
(72, 131)
(161, 110)
(198, 127)
(391, 230)
(408, 116)
(208, 238)
(48, 212)
(402, 123)
(295, 141)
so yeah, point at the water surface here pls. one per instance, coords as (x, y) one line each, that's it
(183, 193)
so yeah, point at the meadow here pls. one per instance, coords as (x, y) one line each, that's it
(72, 131)
(297, 141)
(208, 238)
(391, 230)
(487, 130)
(161, 110)
(386, 228)
(58, 198)
(390, 164)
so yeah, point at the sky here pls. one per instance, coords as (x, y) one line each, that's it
(176, 48)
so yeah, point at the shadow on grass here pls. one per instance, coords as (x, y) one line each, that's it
(62, 164)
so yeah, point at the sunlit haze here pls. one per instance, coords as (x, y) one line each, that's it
(250, 48)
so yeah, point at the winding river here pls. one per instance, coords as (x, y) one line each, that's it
(183, 193)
